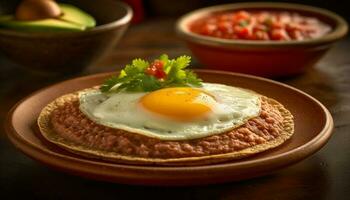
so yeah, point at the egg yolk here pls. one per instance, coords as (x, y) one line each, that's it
(180, 103)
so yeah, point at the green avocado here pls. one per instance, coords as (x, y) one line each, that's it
(75, 15)
(39, 25)
(72, 19)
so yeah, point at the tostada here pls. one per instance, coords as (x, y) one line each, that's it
(160, 113)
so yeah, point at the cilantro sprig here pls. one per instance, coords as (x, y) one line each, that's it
(144, 76)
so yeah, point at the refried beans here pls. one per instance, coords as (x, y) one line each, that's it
(72, 125)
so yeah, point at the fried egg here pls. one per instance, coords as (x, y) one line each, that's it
(177, 113)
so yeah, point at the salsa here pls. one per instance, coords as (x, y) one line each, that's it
(260, 25)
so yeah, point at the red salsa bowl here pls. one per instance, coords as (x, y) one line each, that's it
(265, 39)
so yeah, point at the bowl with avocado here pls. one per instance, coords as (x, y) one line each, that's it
(59, 37)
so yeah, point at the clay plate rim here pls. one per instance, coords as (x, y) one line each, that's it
(163, 174)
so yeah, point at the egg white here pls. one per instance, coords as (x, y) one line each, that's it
(232, 108)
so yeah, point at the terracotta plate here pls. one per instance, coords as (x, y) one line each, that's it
(313, 127)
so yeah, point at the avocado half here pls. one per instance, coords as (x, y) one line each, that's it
(72, 19)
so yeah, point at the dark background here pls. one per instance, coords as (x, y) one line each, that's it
(325, 175)
(178, 7)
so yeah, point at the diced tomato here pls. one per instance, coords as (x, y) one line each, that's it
(242, 32)
(296, 35)
(158, 64)
(156, 69)
(261, 35)
(293, 27)
(241, 15)
(279, 34)
(208, 29)
(224, 26)
(260, 27)
(223, 18)
(160, 74)
(151, 71)
(276, 25)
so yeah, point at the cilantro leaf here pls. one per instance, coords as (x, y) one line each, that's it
(131, 70)
(164, 58)
(150, 83)
(192, 79)
(140, 77)
(182, 62)
(140, 64)
(109, 83)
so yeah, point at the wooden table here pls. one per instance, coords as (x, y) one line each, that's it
(325, 175)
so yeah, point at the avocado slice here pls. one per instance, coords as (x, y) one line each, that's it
(72, 19)
(75, 15)
(39, 25)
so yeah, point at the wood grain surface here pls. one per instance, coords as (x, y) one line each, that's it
(325, 175)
